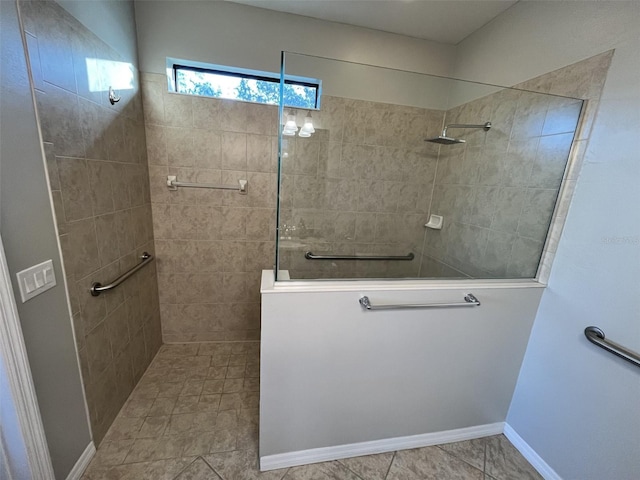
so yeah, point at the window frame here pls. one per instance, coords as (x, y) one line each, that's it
(174, 65)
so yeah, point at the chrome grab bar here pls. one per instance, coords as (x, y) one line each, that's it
(469, 301)
(97, 288)
(312, 256)
(596, 336)
(173, 184)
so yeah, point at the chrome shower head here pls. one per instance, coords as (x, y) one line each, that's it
(445, 140)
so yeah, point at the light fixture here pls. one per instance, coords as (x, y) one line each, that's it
(290, 127)
(307, 129)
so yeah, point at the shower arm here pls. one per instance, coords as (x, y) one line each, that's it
(485, 126)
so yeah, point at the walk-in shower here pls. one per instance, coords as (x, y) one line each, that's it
(444, 139)
(356, 196)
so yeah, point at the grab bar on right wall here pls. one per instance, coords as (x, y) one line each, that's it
(469, 301)
(596, 336)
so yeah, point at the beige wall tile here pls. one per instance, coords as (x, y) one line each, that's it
(55, 47)
(98, 350)
(80, 248)
(75, 188)
(261, 119)
(114, 137)
(107, 237)
(178, 111)
(233, 116)
(156, 144)
(259, 153)
(101, 176)
(234, 151)
(153, 102)
(234, 223)
(198, 287)
(207, 149)
(96, 160)
(206, 113)
(94, 129)
(179, 144)
(261, 224)
(234, 256)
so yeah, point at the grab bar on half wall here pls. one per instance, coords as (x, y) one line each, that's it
(596, 336)
(469, 301)
(97, 288)
(312, 256)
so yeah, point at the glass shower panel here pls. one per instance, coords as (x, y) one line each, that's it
(391, 151)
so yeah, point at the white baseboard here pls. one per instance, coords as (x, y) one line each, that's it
(324, 454)
(530, 454)
(82, 463)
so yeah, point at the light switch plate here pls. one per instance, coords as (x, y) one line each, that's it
(35, 280)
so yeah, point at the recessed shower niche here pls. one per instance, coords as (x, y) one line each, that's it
(391, 148)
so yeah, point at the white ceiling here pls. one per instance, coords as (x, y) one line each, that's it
(445, 21)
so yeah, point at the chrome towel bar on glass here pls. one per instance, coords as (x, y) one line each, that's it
(173, 184)
(469, 301)
(97, 288)
(312, 256)
(596, 336)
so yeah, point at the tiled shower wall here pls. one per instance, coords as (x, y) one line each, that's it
(212, 245)
(361, 184)
(498, 191)
(585, 80)
(96, 160)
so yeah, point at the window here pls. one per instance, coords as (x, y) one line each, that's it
(246, 85)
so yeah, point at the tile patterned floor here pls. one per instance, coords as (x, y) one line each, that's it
(194, 416)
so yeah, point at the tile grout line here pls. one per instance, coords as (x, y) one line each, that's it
(185, 468)
(285, 473)
(484, 458)
(345, 466)
(214, 470)
(393, 458)
(456, 457)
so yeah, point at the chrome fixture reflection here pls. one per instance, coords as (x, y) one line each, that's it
(445, 140)
(290, 127)
(307, 129)
(113, 97)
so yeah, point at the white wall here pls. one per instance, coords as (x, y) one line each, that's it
(14, 461)
(29, 236)
(376, 84)
(575, 404)
(242, 36)
(333, 374)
